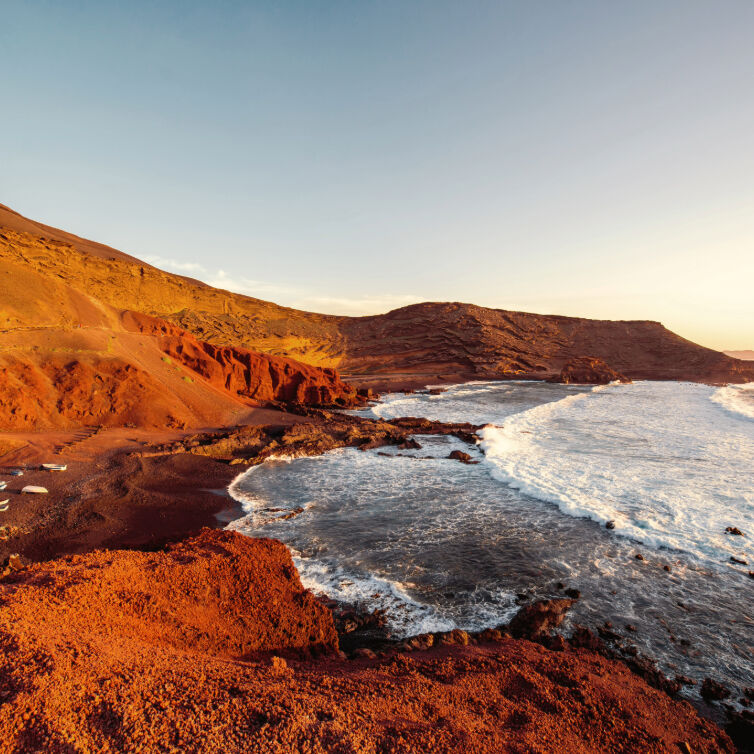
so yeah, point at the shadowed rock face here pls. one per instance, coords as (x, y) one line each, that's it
(247, 374)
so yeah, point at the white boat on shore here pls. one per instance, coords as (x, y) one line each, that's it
(3, 485)
(17, 472)
(54, 466)
(4, 505)
(33, 489)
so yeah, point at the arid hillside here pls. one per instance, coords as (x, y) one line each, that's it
(58, 285)
(72, 352)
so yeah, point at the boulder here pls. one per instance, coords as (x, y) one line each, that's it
(586, 370)
(540, 618)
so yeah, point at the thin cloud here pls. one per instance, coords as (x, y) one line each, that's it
(288, 295)
(174, 265)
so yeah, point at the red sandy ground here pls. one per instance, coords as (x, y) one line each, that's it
(154, 652)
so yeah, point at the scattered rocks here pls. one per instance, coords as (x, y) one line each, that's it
(420, 642)
(539, 618)
(493, 634)
(713, 691)
(12, 564)
(646, 669)
(584, 638)
(291, 514)
(454, 637)
(7, 531)
(685, 680)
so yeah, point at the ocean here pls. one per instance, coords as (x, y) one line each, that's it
(439, 544)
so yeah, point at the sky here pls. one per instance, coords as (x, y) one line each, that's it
(566, 156)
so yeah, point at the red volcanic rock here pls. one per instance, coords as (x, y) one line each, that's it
(122, 651)
(247, 374)
(586, 370)
(539, 618)
(220, 592)
(57, 391)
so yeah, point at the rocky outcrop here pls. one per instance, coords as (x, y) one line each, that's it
(538, 619)
(586, 370)
(247, 374)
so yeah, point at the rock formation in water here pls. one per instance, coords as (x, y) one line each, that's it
(588, 371)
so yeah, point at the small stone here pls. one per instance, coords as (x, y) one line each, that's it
(573, 593)
(639, 556)
(734, 530)
(666, 568)
(740, 561)
(610, 525)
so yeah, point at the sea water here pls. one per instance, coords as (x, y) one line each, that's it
(439, 544)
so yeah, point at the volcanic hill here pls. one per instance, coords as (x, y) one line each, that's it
(90, 335)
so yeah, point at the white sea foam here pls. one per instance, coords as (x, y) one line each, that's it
(438, 544)
(658, 459)
(405, 615)
(736, 398)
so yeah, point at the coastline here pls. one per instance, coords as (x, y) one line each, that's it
(142, 491)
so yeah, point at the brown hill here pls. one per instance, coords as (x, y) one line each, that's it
(745, 355)
(62, 304)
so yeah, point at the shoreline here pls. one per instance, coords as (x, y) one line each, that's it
(143, 493)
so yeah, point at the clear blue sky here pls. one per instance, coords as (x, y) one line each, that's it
(576, 157)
